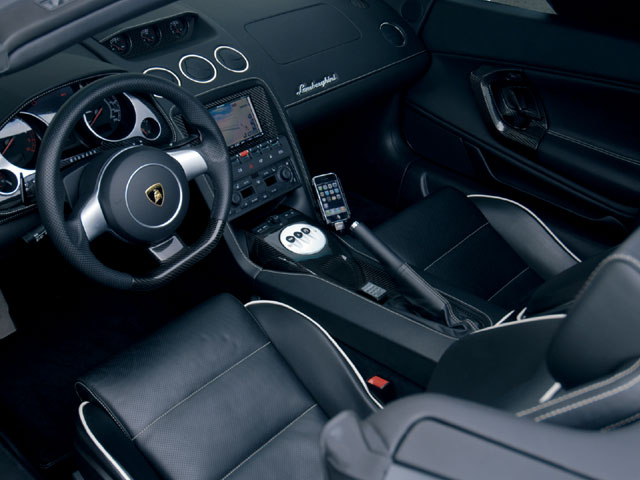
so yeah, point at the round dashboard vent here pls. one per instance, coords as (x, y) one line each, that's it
(163, 73)
(231, 59)
(197, 69)
(393, 34)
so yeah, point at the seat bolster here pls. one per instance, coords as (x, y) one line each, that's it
(99, 442)
(316, 359)
(606, 404)
(527, 234)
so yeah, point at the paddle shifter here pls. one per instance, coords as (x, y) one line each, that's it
(416, 289)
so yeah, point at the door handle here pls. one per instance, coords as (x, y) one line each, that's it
(510, 105)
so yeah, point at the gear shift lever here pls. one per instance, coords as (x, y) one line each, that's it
(417, 290)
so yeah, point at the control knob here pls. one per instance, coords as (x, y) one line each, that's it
(285, 174)
(236, 199)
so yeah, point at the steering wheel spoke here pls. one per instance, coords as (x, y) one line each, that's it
(92, 219)
(167, 249)
(191, 161)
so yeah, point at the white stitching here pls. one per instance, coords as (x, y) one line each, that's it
(535, 217)
(269, 441)
(588, 401)
(102, 450)
(611, 258)
(590, 146)
(455, 246)
(508, 283)
(557, 316)
(327, 335)
(621, 423)
(336, 286)
(579, 392)
(201, 388)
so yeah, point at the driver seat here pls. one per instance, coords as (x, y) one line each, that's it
(227, 391)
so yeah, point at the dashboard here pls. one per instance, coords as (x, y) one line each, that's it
(111, 123)
(308, 61)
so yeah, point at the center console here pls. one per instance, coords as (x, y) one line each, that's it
(278, 238)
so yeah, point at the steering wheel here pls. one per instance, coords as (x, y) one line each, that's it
(139, 193)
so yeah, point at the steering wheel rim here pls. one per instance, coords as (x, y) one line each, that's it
(69, 235)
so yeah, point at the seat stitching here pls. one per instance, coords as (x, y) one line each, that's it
(103, 405)
(621, 423)
(269, 441)
(471, 307)
(611, 258)
(535, 217)
(507, 284)
(455, 246)
(589, 401)
(201, 388)
(586, 389)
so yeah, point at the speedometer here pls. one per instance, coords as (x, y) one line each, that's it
(111, 120)
(19, 144)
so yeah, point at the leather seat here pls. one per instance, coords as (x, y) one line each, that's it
(224, 392)
(485, 249)
(232, 391)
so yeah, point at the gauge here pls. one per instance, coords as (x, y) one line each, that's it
(150, 36)
(8, 182)
(19, 144)
(178, 28)
(111, 119)
(150, 128)
(120, 44)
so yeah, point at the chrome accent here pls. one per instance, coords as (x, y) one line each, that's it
(191, 162)
(126, 196)
(167, 249)
(162, 69)
(141, 112)
(227, 47)
(193, 55)
(92, 218)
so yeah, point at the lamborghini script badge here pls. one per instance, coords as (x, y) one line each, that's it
(155, 194)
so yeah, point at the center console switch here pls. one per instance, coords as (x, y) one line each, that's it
(261, 173)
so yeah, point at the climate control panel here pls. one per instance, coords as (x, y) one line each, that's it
(262, 173)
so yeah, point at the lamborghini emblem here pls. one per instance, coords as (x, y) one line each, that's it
(155, 194)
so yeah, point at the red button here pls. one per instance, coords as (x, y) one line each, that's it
(378, 382)
(244, 153)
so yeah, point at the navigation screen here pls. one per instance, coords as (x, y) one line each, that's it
(237, 120)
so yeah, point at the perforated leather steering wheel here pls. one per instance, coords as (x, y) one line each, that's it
(139, 193)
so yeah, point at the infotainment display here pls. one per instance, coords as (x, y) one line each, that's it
(237, 120)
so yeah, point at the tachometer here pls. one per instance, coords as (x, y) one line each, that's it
(19, 144)
(111, 119)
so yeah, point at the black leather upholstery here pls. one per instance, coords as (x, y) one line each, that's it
(214, 396)
(602, 331)
(491, 248)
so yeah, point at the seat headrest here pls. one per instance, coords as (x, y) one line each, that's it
(602, 329)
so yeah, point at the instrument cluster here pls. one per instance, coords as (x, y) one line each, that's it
(113, 120)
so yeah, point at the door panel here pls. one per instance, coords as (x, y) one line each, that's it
(587, 158)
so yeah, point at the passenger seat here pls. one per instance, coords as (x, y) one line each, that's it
(489, 247)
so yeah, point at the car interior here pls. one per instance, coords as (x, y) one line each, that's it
(319, 239)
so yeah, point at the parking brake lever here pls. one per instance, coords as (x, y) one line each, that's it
(417, 289)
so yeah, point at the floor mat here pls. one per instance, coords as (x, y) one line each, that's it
(66, 325)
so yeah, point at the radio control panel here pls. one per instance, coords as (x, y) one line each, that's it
(262, 173)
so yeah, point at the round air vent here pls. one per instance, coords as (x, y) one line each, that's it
(393, 34)
(231, 59)
(197, 69)
(163, 73)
